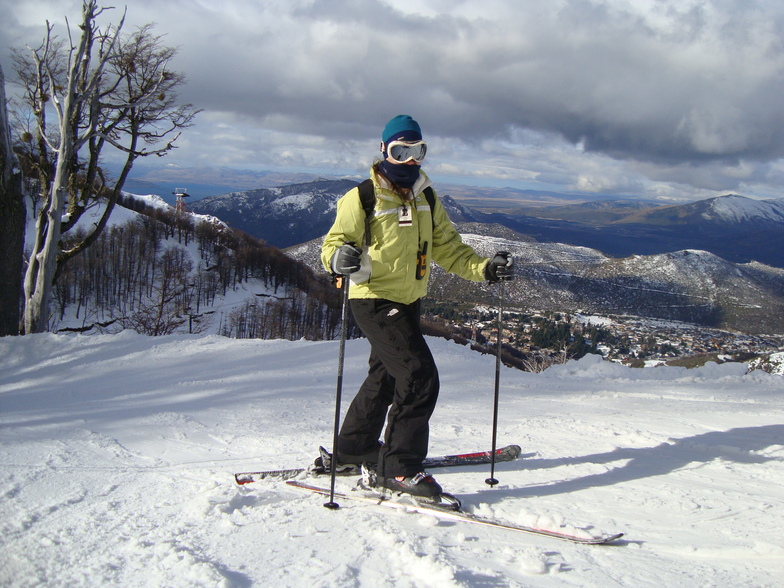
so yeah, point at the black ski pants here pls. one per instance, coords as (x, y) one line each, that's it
(401, 388)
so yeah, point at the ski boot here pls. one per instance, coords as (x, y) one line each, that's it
(421, 488)
(322, 466)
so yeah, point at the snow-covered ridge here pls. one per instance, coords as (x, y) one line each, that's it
(739, 209)
(151, 200)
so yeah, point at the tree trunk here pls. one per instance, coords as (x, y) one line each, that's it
(41, 270)
(39, 279)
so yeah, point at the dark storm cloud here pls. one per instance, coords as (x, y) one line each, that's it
(676, 87)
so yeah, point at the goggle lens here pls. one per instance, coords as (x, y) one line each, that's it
(401, 152)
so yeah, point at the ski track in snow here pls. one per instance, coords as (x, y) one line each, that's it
(117, 455)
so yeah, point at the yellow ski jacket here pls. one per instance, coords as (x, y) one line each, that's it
(400, 233)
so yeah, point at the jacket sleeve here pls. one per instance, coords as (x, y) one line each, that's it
(450, 252)
(349, 227)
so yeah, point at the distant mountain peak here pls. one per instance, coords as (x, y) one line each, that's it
(282, 216)
(733, 208)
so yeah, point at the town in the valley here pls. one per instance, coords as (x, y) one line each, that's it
(534, 340)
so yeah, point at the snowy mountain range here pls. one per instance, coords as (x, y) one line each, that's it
(733, 227)
(690, 285)
(297, 213)
(729, 209)
(281, 216)
(738, 209)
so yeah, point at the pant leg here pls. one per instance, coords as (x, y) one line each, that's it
(364, 420)
(396, 339)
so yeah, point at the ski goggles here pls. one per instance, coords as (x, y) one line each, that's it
(405, 151)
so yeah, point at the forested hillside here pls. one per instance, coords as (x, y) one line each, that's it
(158, 271)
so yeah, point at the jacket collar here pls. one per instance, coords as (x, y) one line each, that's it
(419, 186)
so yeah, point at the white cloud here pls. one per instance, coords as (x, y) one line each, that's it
(586, 94)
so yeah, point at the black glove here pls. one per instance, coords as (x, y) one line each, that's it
(346, 259)
(500, 267)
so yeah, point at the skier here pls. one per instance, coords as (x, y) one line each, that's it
(389, 271)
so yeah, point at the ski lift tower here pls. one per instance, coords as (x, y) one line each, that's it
(181, 194)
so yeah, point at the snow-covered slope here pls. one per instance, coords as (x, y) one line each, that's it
(281, 216)
(117, 454)
(739, 209)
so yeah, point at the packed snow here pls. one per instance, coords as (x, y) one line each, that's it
(117, 454)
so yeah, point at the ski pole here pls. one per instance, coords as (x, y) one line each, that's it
(341, 357)
(491, 481)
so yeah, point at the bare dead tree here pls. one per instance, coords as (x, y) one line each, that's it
(169, 304)
(104, 90)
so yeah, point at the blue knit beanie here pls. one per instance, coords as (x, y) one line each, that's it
(402, 127)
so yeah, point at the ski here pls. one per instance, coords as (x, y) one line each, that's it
(508, 453)
(455, 515)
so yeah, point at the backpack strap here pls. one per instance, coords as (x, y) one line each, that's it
(367, 196)
(430, 195)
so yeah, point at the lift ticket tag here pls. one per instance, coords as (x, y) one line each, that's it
(404, 216)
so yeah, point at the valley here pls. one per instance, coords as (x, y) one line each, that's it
(643, 309)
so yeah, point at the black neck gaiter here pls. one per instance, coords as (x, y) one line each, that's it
(403, 175)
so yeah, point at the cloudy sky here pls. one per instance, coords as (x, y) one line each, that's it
(669, 99)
